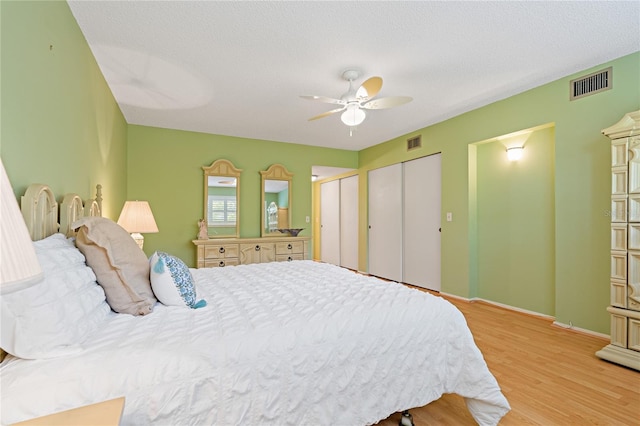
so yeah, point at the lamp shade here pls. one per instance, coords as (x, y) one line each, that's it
(353, 115)
(136, 217)
(19, 266)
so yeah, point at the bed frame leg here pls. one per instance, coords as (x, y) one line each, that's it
(406, 419)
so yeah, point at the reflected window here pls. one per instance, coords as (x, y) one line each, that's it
(222, 210)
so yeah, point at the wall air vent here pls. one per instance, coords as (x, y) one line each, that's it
(591, 84)
(414, 142)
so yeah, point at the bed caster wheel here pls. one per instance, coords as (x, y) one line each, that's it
(406, 419)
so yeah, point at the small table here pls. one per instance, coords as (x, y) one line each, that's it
(106, 413)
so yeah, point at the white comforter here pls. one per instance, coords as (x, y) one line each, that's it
(300, 343)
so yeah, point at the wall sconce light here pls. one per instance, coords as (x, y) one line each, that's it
(135, 218)
(515, 153)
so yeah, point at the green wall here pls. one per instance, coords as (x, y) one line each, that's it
(60, 125)
(581, 188)
(165, 168)
(515, 222)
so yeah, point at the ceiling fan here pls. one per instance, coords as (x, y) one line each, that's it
(355, 101)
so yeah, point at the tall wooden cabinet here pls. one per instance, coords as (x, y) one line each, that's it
(625, 243)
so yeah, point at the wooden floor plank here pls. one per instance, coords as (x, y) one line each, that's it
(550, 375)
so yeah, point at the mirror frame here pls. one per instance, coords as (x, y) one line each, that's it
(274, 172)
(227, 169)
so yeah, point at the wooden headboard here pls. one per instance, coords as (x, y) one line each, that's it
(40, 211)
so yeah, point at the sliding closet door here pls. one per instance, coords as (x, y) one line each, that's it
(349, 222)
(422, 215)
(385, 222)
(330, 222)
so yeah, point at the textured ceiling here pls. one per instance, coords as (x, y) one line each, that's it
(238, 68)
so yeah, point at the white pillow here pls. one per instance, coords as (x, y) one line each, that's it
(55, 316)
(172, 282)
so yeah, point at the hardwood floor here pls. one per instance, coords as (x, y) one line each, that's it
(549, 375)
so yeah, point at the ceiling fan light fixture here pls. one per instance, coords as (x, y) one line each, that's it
(353, 115)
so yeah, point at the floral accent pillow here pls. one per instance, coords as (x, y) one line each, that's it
(172, 282)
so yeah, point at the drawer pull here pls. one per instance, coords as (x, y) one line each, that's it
(221, 264)
(257, 248)
(289, 246)
(221, 249)
(289, 259)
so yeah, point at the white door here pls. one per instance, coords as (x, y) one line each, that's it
(385, 222)
(349, 222)
(422, 215)
(330, 222)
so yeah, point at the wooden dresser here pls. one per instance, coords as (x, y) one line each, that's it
(625, 243)
(242, 251)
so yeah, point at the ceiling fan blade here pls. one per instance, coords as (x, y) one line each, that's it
(324, 99)
(369, 88)
(389, 102)
(326, 114)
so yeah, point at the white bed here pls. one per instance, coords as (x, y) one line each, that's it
(300, 343)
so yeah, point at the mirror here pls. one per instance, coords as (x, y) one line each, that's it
(221, 195)
(276, 200)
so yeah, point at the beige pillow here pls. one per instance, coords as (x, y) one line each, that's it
(121, 268)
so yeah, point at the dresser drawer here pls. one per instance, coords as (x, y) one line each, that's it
(289, 257)
(293, 247)
(220, 251)
(232, 261)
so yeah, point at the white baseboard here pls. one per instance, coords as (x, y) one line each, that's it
(453, 296)
(513, 308)
(535, 314)
(581, 330)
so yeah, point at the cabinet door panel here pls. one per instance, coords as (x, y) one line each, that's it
(619, 236)
(257, 253)
(619, 330)
(619, 181)
(634, 166)
(267, 253)
(634, 334)
(619, 153)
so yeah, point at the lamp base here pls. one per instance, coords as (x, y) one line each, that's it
(138, 238)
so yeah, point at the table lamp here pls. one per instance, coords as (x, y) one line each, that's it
(136, 218)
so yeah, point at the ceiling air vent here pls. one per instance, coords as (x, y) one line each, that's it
(591, 84)
(415, 142)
